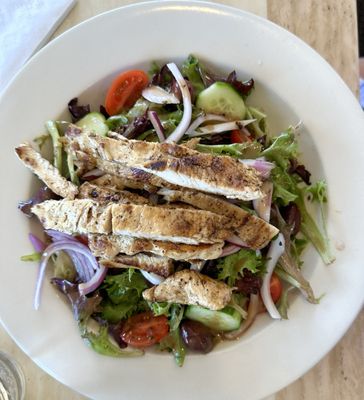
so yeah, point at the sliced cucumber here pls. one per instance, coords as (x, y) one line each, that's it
(226, 319)
(95, 122)
(221, 98)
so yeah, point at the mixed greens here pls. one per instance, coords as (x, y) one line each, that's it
(211, 114)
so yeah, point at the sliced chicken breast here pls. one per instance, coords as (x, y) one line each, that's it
(173, 225)
(254, 231)
(109, 246)
(46, 171)
(178, 165)
(162, 266)
(192, 288)
(156, 223)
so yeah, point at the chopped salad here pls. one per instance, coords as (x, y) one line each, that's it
(172, 216)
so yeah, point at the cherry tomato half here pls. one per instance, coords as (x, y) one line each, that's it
(275, 287)
(125, 90)
(239, 137)
(144, 330)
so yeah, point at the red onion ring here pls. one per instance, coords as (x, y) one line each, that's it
(153, 117)
(38, 244)
(53, 248)
(261, 165)
(155, 94)
(178, 133)
(229, 249)
(152, 277)
(263, 205)
(276, 249)
(94, 282)
(233, 239)
(201, 119)
(83, 268)
(223, 127)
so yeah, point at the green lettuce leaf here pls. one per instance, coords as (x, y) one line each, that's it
(176, 315)
(190, 70)
(124, 295)
(237, 150)
(283, 303)
(258, 127)
(160, 308)
(173, 342)
(283, 148)
(36, 256)
(153, 69)
(230, 267)
(284, 186)
(289, 188)
(100, 342)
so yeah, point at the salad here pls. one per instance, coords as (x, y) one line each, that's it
(171, 216)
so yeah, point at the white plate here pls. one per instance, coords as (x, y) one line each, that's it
(293, 83)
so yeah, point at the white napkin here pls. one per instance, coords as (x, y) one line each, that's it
(25, 26)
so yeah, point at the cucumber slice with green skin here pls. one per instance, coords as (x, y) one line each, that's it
(221, 98)
(95, 122)
(227, 319)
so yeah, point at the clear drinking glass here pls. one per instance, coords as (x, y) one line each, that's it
(12, 382)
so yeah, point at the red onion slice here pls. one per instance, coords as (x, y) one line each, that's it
(263, 166)
(233, 239)
(177, 134)
(153, 117)
(53, 248)
(276, 249)
(156, 94)
(263, 205)
(38, 244)
(229, 249)
(152, 277)
(83, 267)
(201, 119)
(218, 128)
(94, 282)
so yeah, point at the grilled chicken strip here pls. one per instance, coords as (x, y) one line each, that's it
(109, 246)
(254, 231)
(46, 171)
(191, 287)
(106, 194)
(128, 177)
(75, 216)
(176, 164)
(174, 225)
(162, 266)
